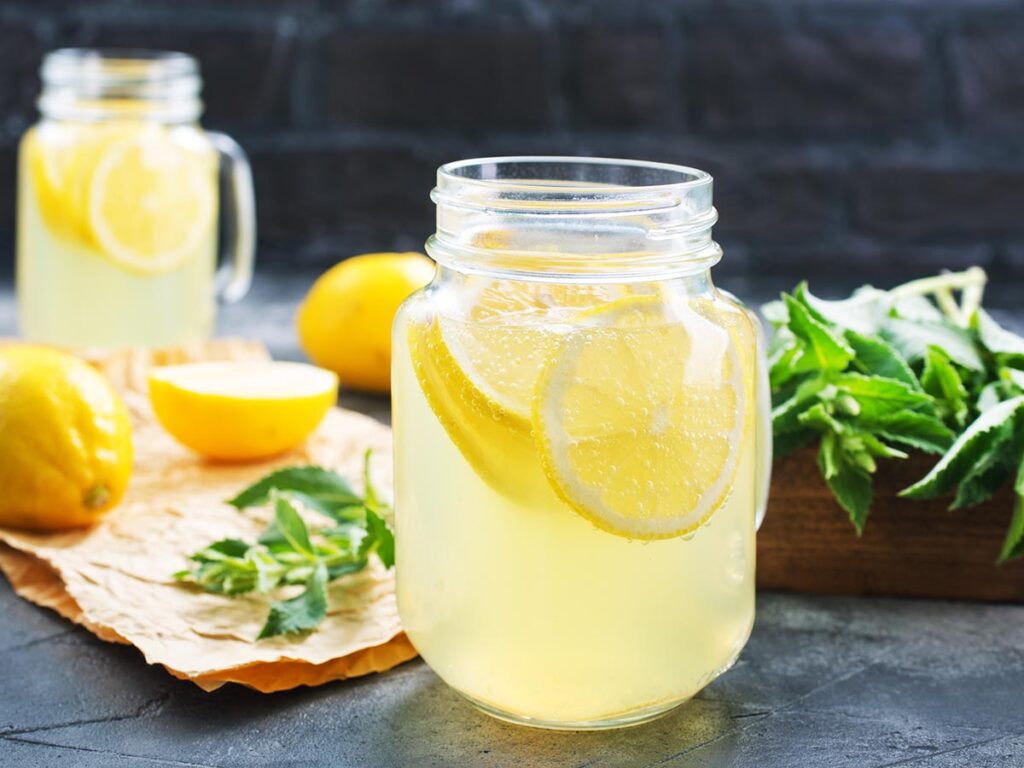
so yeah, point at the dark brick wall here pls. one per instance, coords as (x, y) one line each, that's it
(850, 139)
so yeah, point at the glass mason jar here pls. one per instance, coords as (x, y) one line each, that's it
(118, 204)
(581, 442)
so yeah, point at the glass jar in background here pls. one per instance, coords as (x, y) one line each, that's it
(118, 204)
(581, 443)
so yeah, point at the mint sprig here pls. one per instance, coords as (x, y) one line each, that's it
(290, 553)
(913, 368)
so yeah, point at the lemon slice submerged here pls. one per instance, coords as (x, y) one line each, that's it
(236, 410)
(639, 419)
(151, 203)
(134, 192)
(633, 408)
(510, 331)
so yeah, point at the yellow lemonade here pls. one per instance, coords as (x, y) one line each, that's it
(575, 492)
(116, 233)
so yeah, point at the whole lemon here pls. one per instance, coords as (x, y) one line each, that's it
(344, 323)
(65, 440)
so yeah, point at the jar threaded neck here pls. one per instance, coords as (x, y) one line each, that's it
(550, 217)
(92, 84)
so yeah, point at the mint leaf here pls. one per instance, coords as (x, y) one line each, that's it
(786, 417)
(916, 430)
(226, 547)
(913, 337)
(883, 371)
(290, 553)
(941, 380)
(383, 538)
(1013, 545)
(1006, 345)
(875, 357)
(991, 427)
(988, 476)
(310, 481)
(827, 350)
(817, 417)
(784, 364)
(302, 612)
(291, 525)
(916, 308)
(991, 394)
(863, 312)
(850, 484)
(881, 398)
(876, 447)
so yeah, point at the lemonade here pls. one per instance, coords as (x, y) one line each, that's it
(524, 604)
(116, 234)
(576, 470)
(118, 204)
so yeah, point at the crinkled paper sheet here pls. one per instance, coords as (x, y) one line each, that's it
(115, 579)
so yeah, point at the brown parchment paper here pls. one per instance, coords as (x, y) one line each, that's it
(115, 578)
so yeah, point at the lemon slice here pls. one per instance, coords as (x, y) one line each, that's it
(151, 202)
(478, 369)
(495, 442)
(241, 410)
(508, 332)
(53, 153)
(639, 417)
(62, 158)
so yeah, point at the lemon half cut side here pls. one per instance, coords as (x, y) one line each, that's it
(237, 410)
(639, 417)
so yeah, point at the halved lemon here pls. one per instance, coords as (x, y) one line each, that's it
(241, 410)
(150, 201)
(639, 417)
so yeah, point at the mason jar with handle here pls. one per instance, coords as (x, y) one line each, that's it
(581, 442)
(119, 205)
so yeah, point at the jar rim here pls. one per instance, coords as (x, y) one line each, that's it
(67, 66)
(96, 83)
(613, 217)
(687, 177)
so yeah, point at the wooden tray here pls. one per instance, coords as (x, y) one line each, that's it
(909, 548)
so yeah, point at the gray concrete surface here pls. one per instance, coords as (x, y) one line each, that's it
(829, 682)
(823, 682)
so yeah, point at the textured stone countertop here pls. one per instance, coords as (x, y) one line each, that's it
(824, 681)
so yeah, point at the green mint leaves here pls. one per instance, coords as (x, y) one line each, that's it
(877, 374)
(290, 553)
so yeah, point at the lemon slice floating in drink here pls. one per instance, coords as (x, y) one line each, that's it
(639, 418)
(478, 373)
(150, 203)
(131, 191)
(509, 332)
(630, 410)
(496, 442)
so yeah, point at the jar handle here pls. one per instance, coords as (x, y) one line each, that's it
(235, 274)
